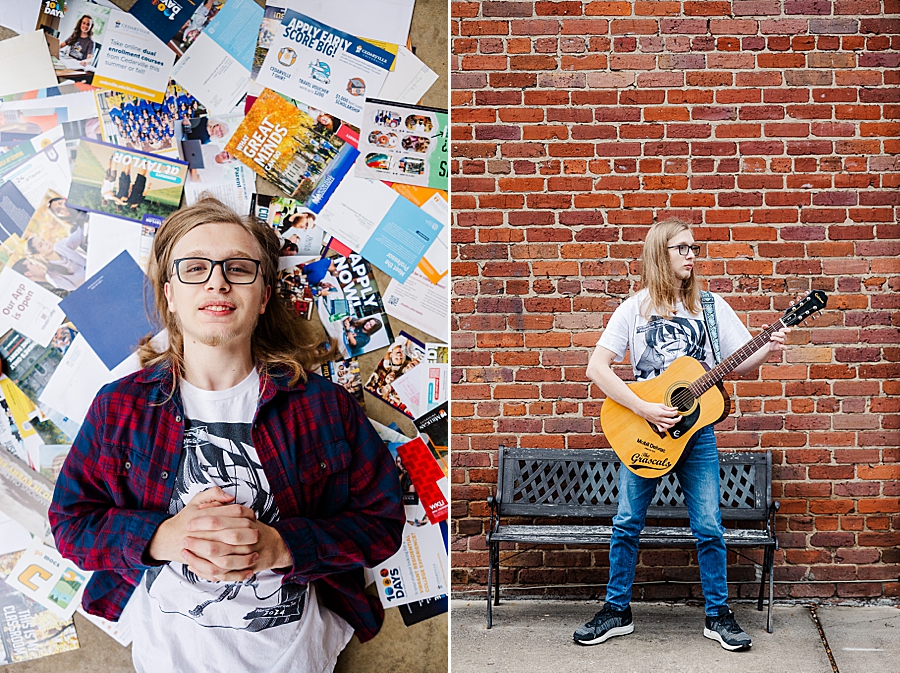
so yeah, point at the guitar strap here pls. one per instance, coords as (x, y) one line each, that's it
(709, 317)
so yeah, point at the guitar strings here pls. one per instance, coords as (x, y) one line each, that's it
(685, 397)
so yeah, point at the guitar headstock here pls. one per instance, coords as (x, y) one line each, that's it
(814, 301)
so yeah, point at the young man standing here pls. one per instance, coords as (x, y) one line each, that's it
(234, 498)
(660, 323)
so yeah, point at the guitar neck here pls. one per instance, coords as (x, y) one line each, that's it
(713, 376)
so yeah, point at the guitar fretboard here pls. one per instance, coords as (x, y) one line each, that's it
(713, 376)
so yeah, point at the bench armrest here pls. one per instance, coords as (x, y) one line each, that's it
(770, 523)
(494, 504)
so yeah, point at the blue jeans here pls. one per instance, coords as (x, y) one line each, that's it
(698, 475)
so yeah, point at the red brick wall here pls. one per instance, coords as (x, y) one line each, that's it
(773, 127)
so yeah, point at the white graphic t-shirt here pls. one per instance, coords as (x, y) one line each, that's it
(655, 343)
(184, 623)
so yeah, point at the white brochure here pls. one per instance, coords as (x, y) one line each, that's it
(28, 308)
(420, 303)
(25, 64)
(132, 59)
(409, 80)
(418, 570)
(216, 69)
(39, 164)
(385, 20)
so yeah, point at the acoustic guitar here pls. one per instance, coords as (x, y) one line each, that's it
(695, 390)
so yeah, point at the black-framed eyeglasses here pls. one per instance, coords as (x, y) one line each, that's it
(684, 247)
(197, 270)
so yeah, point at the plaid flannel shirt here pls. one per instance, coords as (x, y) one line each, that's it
(332, 477)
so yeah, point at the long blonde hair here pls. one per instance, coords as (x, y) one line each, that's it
(280, 339)
(657, 275)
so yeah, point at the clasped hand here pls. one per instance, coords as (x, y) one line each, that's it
(218, 540)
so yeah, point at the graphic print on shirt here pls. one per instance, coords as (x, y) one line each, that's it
(665, 340)
(221, 454)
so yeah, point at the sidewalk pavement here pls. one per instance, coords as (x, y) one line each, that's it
(536, 636)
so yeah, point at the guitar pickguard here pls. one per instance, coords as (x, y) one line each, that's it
(681, 427)
(686, 423)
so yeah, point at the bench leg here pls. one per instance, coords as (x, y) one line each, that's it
(490, 581)
(769, 623)
(497, 574)
(762, 578)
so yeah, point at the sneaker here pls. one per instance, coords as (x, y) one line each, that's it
(606, 624)
(725, 629)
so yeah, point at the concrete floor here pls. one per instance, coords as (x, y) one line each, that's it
(536, 636)
(422, 648)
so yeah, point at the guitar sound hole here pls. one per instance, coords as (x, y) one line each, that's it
(682, 399)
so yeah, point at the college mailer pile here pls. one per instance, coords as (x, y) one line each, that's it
(112, 120)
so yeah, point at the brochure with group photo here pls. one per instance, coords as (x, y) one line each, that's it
(346, 374)
(402, 357)
(295, 224)
(126, 183)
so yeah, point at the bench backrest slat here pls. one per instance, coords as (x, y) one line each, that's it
(585, 483)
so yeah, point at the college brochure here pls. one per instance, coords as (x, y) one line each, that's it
(417, 571)
(136, 123)
(421, 304)
(31, 365)
(117, 289)
(435, 263)
(385, 20)
(349, 304)
(126, 183)
(28, 630)
(37, 164)
(423, 388)
(404, 143)
(428, 477)
(164, 17)
(384, 227)
(211, 169)
(25, 495)
(108, 236)
(419, 611)
(49, 579)
(293, 288)
(403, 355)
(111, 49)
(301, 150)
(295, 224)
(323, 66)
(20, 412)
(345, 373)
(51, 459)
(434, 429)
(15, 211)
(50, 252)
(28, 307)
(217, 67)
(409, 80)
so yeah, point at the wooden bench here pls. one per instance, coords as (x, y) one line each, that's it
(570, 483)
